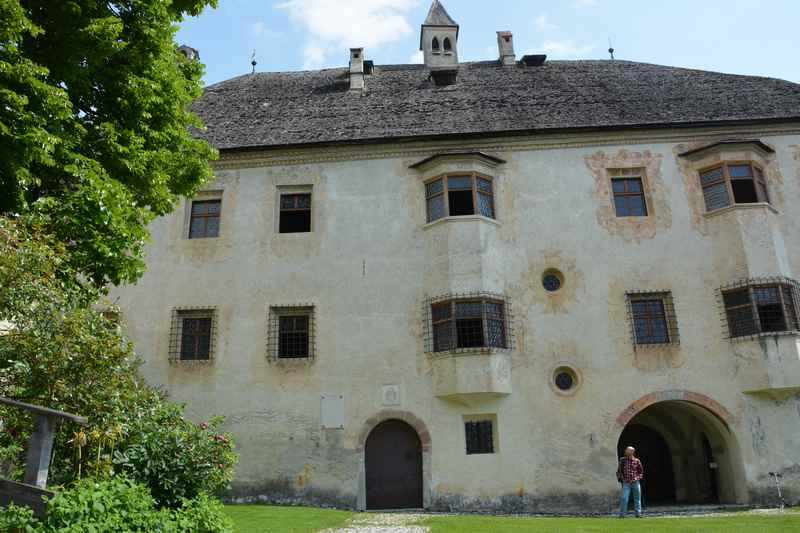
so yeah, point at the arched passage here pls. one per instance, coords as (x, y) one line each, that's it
(689, 453)
(393, 467)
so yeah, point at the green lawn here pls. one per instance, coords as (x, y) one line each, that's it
(272, 519)
(269, 519)
(490, 524)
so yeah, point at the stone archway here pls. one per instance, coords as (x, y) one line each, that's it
(694, 454)
(422, 433)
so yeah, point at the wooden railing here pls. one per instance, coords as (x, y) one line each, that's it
(32, 492)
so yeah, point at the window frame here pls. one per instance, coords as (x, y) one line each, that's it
(176, 346)
(627, 194)
(275, 332)
(204, 217)
(669, 317)
(310, 209)
(452, 322)
(791, 323)
(758, 177)
(474, 176)
(477, 421)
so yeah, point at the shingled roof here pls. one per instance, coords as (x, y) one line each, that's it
(298, 108)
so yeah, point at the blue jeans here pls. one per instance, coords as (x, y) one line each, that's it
(636, 489)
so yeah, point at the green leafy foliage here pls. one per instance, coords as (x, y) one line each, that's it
(175, 458)
(117, 505)
(63, 354)
(95, 124)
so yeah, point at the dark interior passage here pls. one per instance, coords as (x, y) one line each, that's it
(658, 485)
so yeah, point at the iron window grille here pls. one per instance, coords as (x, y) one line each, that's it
(733, 183)
(652, 318)
(204, 220)
(291, 333)
(468, 322)
(479, 436)
(192, 334)
(459, 195)
(761, 306)
(627, 188)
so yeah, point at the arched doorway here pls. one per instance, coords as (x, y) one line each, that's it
(652, 449)
(393, 467)
(689, 454)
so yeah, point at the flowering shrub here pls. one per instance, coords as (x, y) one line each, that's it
(174, 457)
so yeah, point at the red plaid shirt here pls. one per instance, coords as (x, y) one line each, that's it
(630, 470)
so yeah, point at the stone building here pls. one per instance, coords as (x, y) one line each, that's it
(467, 285)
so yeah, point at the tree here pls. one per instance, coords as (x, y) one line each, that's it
(61, 353)
(95, 126)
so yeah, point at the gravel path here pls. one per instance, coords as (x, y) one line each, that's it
(382, 523)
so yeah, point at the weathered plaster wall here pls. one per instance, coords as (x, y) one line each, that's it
(370, 262)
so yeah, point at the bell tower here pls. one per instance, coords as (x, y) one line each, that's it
(439, 39)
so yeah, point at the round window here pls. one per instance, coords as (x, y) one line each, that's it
(552, 280)
(565, 380)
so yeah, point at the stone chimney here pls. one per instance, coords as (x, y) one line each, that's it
(505, 46)
(357, 70)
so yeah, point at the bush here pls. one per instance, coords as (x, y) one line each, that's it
(174, 457)
(18, 519)
(117, 505)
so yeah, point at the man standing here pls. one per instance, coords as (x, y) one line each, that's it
(630, 472)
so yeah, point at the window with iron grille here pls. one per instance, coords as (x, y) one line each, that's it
(464, 323)
(458, 195)
(756, 307)
(479, 436)
(652, 318)
(192, 334)
(204, 221)
(733, 183)
(629, 198)
(291, 332)
(295, 213)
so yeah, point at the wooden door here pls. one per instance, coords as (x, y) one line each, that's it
(393, 463)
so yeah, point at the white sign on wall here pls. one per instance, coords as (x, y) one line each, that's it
(332, 411)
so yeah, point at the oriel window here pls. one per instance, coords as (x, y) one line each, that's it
(733, 183)
(459, 195)
(204, 222)
(478, 323)
(295, 213)
(755, 308)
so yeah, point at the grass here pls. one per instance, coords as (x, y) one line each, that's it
(269, 519)
(273, 519)
(734, 524)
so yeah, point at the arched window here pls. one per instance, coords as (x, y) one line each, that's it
(447, 46)
(435, 44)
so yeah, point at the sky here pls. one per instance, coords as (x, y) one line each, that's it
(755, 37)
